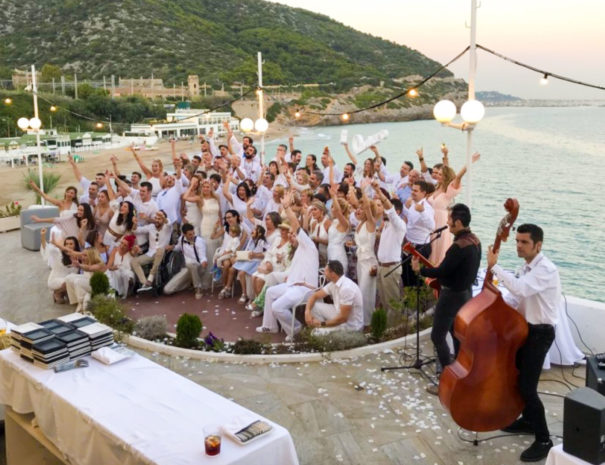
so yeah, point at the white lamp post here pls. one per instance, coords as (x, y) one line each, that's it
(472, 110)
(35, 124)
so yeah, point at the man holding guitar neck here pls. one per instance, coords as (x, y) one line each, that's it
(535, 293)
(456, 274)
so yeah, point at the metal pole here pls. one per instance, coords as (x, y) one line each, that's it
(471, 96)
(35, 92)
(260, 105)
(75, 86)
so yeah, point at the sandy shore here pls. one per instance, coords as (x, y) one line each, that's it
(13, 188)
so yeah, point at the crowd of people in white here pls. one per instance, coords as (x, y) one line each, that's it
(279, 229)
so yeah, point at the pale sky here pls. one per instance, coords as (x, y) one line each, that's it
(566, 37)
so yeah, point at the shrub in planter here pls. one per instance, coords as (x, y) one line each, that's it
(336, 340)
(151, 327)
(188, 329)
(12, 209)
(99, 283)
(213, 343)
(378, 324)
(247, 347)
(109, 311)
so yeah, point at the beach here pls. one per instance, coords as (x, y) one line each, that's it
(13, 187)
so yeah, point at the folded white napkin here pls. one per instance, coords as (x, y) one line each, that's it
(240, 422)
(108, 356)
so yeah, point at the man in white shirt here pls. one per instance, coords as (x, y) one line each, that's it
(303, 276)
(169, 198)
(537, 293)
(325, 161)
(250, 165)
(420, 224)
(346, 313)
(157, 235)
(194, 251)
(389, 256)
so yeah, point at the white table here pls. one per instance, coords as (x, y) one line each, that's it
(557, 456)
(130, 413)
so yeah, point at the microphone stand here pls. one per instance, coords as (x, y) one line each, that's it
(418, 363)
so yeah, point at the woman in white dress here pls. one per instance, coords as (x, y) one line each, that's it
(210, 223)
(103, 212)
(61, 264)
(193, 213)
(69, 203)
(72, 224)
(367, 265)
(272, 269)
(119, 269)
(337, 233)
(122, 220)
(78, 285)
(237, 202)
(318, 226)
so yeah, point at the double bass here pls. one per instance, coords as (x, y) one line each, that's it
(480, 389)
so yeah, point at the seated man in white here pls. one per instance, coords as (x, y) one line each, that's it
(346, 313)
(302, 278)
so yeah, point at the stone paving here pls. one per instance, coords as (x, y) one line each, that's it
(337, 411)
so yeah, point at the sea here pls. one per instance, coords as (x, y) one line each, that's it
(551, 159)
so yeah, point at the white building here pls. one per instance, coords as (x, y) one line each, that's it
(187, 122)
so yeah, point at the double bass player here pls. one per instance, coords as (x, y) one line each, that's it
(535, 292)
(456, 274)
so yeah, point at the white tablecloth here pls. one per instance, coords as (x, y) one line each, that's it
(134, 412)
(557, 456)
(563, 350)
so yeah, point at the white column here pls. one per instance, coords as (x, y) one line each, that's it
(35, 92)
(471, 96)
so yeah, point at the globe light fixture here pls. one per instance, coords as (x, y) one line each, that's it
(8, 101)
(297, 114)
(345, 117)
(544, 80)
(23, 123)
(472, 111)
(413, 93)
(261, 125)
(99, 125)
(53, 108)
(444, 111)
(246, 125)
(35, 123)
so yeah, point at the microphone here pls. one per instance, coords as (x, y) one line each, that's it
(438, 230)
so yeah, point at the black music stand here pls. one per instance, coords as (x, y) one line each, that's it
(418, 363)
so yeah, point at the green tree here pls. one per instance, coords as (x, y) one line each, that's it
(48, 72)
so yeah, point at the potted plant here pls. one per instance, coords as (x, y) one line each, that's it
(9, 217)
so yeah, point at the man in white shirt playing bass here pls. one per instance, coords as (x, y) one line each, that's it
(537, 292)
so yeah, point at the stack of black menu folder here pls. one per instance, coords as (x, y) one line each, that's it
(57, 341)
